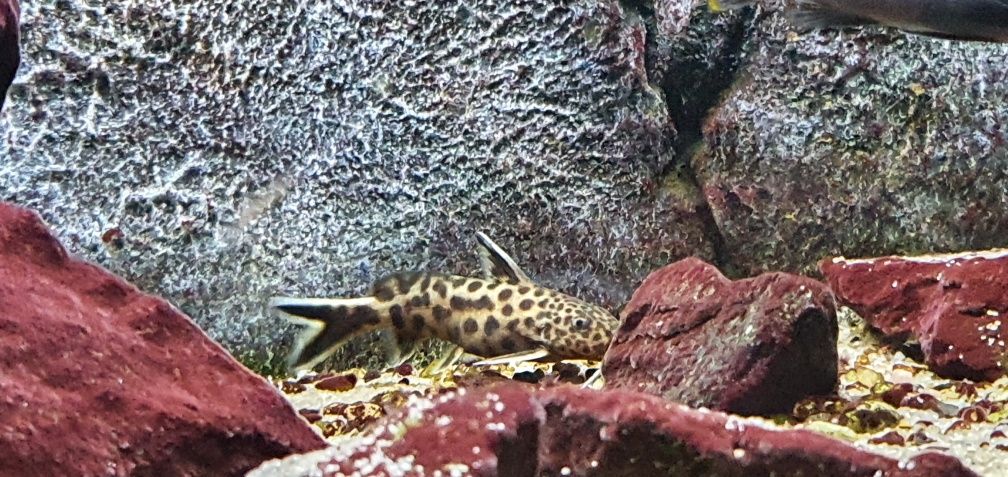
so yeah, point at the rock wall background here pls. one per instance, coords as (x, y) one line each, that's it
(217, 153)
(858, 143)
(229, 152)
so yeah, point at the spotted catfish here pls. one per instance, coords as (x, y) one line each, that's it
(503, 316)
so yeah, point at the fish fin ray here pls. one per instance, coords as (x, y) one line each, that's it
(590, 382)
(447, 359)
(950, 36)
(331, 322)
(518, 357)
(819, 14)
(496, 262)
(396, 349)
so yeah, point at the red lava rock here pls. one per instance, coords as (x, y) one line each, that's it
(312, 377)
(919, 437)
(10, 49)
(894, 396)
(753, 346)
(352, 417)
(393, 399)
(114, 237)
(990, 406)
(954, 305)
(98, 377)
(523, 432)
(404, 369)
(292, 387)
(312, 415)
(892, 438)
(973, 413)
(929, 402)
(340, 383)
(966, 389)
(958, 424)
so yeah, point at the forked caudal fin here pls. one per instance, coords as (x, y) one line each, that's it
(331, 323)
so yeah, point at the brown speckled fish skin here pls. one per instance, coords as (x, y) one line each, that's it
(489, 317)
(502, 314)
(967, 20)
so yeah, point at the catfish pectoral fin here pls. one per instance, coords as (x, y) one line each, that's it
(514, 357)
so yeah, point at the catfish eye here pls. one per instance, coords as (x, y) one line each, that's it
(581, 323)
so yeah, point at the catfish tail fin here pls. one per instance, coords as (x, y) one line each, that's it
(332, 321)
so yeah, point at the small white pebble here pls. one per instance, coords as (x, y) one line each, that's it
(565, 471)
(902, 376)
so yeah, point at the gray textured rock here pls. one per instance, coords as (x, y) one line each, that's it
(218, 152)
(857, 143)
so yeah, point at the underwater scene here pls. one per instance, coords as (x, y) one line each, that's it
(504, 238)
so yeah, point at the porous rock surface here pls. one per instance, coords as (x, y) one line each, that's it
(218, 152)
(861, 142)
(10, 51)
(752, 346)
(955, 306)
(97, 378)
(512, 430)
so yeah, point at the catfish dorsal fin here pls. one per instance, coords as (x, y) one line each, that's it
(497, 263)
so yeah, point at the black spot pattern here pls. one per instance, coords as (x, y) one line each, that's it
(383, 292)
(368, 315)
(461, 304)
(491, 326)
(420, 301)
(406, 281)
(440, 313)
(441, 289)
(398, 320)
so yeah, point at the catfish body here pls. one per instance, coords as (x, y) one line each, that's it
(967, 20)
(503, 314)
